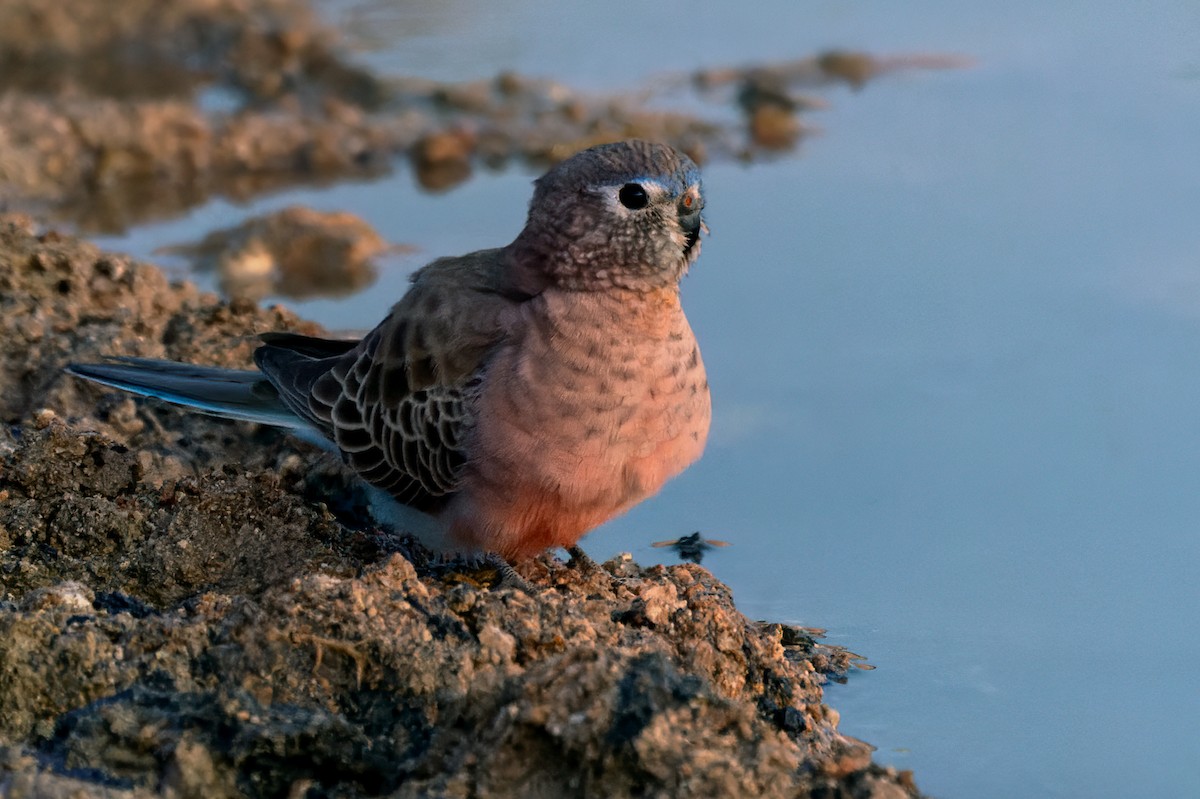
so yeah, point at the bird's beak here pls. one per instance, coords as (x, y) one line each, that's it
(689, 208)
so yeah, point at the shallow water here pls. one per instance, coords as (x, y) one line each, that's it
(954, 346)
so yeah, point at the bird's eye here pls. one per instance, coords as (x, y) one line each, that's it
(633, 196)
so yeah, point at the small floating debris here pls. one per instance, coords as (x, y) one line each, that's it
(691, 547)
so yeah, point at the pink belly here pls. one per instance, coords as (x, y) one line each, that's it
(573, 430)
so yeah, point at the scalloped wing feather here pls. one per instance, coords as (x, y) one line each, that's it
(400, 404)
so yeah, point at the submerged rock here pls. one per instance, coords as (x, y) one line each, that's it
(295, 252)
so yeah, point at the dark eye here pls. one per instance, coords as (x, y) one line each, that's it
(633, 196)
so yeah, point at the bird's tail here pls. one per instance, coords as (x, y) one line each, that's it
(230, 393)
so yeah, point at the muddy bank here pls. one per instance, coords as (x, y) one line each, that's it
(201, 608)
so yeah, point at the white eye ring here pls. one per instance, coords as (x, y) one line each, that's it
(627, 195)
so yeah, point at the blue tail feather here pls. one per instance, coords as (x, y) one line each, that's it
(230, 393)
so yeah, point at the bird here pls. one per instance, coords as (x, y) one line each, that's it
(514, 398)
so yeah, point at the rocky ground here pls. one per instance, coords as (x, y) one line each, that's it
(197, 608)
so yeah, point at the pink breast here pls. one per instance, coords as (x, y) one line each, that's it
(581, 417)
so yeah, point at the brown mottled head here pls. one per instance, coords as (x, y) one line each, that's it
(625, 215)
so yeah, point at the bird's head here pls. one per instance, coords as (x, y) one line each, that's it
(624, 215)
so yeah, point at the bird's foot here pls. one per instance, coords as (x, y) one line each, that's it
(583, 564)
(582, 560)
(509, 577)
(477, 569)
